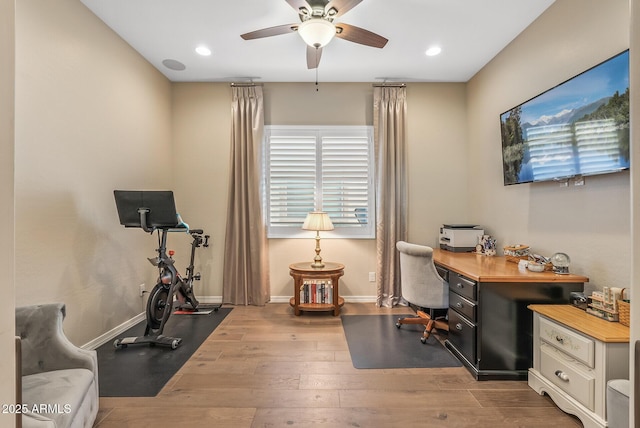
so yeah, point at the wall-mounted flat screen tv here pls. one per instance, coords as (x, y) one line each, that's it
(578, 128)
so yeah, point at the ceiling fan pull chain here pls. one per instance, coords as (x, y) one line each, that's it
(317, 68)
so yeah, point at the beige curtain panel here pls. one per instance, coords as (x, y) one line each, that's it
(246, 264)
(389, 122)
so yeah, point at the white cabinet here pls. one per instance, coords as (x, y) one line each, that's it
(574, 355)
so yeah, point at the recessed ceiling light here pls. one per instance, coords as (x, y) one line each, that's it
(433, 51)
(203, 50)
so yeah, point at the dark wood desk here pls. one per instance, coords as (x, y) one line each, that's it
(490, 327)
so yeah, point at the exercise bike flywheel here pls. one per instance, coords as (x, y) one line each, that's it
(158, 300)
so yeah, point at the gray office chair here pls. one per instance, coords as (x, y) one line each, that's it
(422, 287)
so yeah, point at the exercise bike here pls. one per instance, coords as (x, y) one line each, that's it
(156, 213)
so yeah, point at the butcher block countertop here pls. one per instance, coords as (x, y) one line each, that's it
(577, 319)
(495, 268)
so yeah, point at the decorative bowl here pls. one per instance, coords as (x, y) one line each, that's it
(535, 267)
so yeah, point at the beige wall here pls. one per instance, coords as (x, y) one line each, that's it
(7, 318)
(590, 223)
(91, 116)
(201, 135)
(436, 118)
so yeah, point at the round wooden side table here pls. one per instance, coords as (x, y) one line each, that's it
(304, 279)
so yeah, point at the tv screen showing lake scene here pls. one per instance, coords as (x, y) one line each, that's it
(578, 128)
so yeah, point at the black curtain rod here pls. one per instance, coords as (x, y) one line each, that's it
(245, 84)
(391, 85)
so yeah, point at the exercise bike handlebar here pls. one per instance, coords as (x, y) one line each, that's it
(181, 226)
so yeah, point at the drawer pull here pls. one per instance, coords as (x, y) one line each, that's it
(560, 340)
(458, 305)
(459, 326)
(562, 375)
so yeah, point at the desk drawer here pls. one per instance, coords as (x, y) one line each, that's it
(443, 272)
(572, 377)
(462, 305)
(568, 341)
(463, 286)
(462, 335)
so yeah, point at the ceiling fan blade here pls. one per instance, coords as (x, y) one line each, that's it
(341, 6)
(360, 35)
(313, 57)
(271, 31)
(299, 4)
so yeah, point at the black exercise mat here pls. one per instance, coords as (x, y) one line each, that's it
(142, 370)
(376, 343)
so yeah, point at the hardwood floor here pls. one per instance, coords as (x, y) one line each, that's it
(265, 367)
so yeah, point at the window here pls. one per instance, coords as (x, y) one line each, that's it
(319, 168)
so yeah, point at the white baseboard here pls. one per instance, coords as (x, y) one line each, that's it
(115, 332)
(360, 299)
(210, 299)
(347, 299)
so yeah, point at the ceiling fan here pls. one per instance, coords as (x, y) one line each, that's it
(317, 27)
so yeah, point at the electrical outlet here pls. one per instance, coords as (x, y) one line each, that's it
(372, 277)
(142, 290)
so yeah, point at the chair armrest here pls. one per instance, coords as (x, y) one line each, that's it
(45, 347)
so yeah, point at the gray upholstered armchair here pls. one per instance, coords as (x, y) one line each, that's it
(59, 380)
(422, 286)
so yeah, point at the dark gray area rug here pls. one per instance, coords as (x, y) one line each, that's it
(142, 370)
(376, 343)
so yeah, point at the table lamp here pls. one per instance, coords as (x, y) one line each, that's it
(317, 220)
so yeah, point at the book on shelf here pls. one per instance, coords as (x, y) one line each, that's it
(316, 291)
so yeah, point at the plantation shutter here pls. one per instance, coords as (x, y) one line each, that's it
(319, 168)
(345, 180)
(292, 179)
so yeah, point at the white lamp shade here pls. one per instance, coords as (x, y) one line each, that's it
(317, 32)
(317, 220)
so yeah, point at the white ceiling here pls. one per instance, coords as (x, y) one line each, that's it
(470, 32)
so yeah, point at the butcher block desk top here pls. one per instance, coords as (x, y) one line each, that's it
(577, 319)
(495, 268)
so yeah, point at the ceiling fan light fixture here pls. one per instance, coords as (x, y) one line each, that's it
(203, 50)
(317, 32)
(433, 51)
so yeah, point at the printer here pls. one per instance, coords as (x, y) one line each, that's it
(460, 237)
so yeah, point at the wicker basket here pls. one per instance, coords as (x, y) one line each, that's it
(516, 259)
(624, 310)
(516, 253)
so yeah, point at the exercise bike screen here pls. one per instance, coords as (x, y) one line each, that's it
(160, 203)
